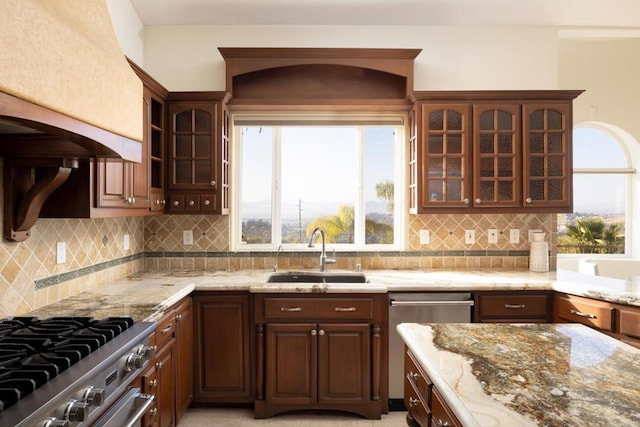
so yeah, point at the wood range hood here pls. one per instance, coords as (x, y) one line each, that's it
(67, 92)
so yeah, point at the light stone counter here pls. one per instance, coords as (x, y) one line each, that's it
(529, 374)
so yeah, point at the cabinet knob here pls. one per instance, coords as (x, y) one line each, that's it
(321, 333)
(153, 412)
(414, 375)
(212, 183)
(413, 402)
(153, 383)
(314, 332)
(478, 200)
(191, 202)
(176, 203)
(207, 202)
(528, 200)
(163, 202)
(441, 423)
(465, 201)
(158, 365)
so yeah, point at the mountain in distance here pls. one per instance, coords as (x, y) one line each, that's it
(262, 210)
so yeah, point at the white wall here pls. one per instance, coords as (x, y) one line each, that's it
(128, 28)
(452, 58)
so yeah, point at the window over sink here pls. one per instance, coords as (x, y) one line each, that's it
(298, 172)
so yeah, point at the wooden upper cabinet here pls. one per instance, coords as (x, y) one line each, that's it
(487, 150)
(198, 152)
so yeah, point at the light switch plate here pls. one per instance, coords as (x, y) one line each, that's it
(61, 253)
(469, 237)
(187, 237)
(424, 237)
(126, 244)
(492, 236)
(514, 235)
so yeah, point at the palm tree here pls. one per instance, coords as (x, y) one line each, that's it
(337, 228)
(385, 190)
(594, 236)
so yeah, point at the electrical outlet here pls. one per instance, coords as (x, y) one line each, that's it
(126, 244)
(187, 237)
(514, 235)
(469, 237)
(492, 236)
(533, 230)
(61, 253)
(424, 237)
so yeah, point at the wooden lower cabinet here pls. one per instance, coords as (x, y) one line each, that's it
(183, 356)
(222, 360)
(166, 394)
(320, 353)
(425, 405)
(512, 307)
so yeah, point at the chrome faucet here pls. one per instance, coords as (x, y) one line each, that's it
(275, 265)
(323, 256)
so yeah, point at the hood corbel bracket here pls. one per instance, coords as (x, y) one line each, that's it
(27, 185)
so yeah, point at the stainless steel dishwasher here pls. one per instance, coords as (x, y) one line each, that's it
(419, 307)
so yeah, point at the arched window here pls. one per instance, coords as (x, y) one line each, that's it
(601, 195)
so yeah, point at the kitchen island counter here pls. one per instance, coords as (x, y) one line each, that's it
(529, 374)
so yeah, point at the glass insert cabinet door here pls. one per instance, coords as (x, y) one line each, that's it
(444, 155)
(496, 155)
(547, 157)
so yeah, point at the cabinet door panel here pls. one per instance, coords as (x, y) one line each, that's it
(165, 374)
(344, 363)
(291, 363)
(184, 357)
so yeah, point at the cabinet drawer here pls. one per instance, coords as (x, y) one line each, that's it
(441, 415)
(629, 321)
(418, 408)
(318, 308)
(595, 314)
(416, 377)
(513, 306)
(165, 329)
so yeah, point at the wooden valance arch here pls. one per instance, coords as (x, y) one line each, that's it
(319, 76)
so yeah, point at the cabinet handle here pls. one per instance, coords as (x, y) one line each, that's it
(414, 375)
(165, 330)
(176, 203)
(478, 200)
(153, 383)
(153, 412)
(514, 306)
(441, 423)
(345, 309)
(321, 333)
(528, 200)
(290, 309)
(314, 332)
(191, 202)
(582, 314)
(465, 201)
(413, 402)
(207, 202)
(163, 202)
(158, 365)
(212, 183)
(178, 317)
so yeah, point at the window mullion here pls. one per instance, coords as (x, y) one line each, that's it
(276, 191)
(359, 215)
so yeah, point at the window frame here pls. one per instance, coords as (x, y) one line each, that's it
(356, 119)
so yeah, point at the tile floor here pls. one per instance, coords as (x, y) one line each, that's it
(243, 417)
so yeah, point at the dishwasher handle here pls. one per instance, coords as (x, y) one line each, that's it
(396, 303)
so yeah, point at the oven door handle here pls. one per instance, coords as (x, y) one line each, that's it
(396, 303)
(128, 410)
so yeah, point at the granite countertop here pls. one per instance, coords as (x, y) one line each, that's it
(145, 296)
(529, 374)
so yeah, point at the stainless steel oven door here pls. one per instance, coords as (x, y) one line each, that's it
(127, 411)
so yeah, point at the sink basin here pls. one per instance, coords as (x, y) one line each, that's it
(317, 277)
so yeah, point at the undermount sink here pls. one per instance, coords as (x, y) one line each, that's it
(317, 277)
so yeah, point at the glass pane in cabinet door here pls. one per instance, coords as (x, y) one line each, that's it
(487, 167)
(505, 190)
(555, 143)
(486, 143)
(536, 189)
(183, 146)
(202, 146)
(203, 121)
(486, 190)
(536, 166)
(486, 120)
(454, 120)
(436, 144)
(536, 120)
(454, 168)
(183, 121)
(505, 144)
(505, 120)
(555, 166)
(454, 144)
(202, 172)
(436, 120)
(554, 120)
(436, 168)
(536, 143)
(506, 167)
(183, 171)
(555, 187)
(436, 190)
(454, 190)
